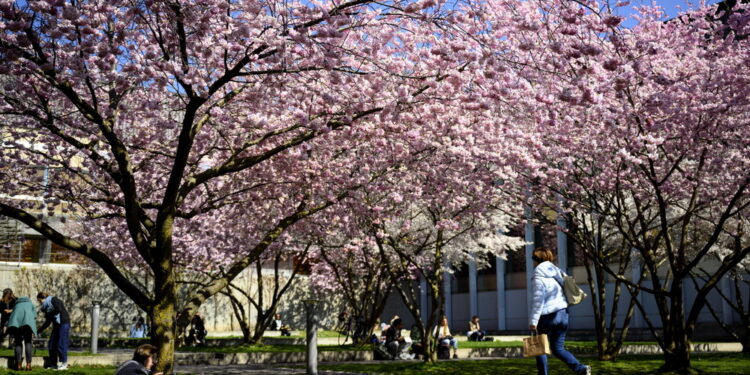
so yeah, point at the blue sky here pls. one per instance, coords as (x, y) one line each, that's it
(671, 7)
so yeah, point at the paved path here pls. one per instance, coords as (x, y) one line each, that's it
(248, 370)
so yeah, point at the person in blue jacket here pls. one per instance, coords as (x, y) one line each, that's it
(22, 326)
(139, 329)
(549, 311)
(56, 314)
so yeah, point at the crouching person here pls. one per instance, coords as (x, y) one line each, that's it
(143, 362)
(397, 344)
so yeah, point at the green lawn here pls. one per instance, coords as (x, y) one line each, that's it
(40, 353)
(273, 348)
(269, 346)
(629, 365)
(88, 370)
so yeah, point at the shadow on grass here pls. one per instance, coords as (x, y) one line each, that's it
(720, 363)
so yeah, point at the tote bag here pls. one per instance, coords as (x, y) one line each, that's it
(572, 292)
(535, 345)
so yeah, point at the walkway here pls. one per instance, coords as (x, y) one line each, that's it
(248, 370)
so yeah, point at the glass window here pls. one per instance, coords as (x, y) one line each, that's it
(32, 250)
(460, 279)
(487, 277)
(59, 254)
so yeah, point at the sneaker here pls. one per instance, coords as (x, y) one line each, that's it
(62, 367)
(585, 371)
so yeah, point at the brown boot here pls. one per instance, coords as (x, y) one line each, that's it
(28, 366)
(19, 366)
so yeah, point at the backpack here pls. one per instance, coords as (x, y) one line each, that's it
(573, 293)
(380, 352)
(444, 351)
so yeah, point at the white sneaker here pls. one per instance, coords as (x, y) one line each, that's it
(62, 367)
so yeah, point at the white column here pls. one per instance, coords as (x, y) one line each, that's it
(448, 296)
(562, 243)
(423, 298)
(473, 297)
(529, 237)
(726, 310)
(500, 282)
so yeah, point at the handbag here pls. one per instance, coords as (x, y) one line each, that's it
(573, 293)
(536, 345)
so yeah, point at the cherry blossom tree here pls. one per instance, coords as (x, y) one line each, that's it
(442, 206)
(195, 133)
(265, 291)
(651, 120)
(353, 269)
(734, 238)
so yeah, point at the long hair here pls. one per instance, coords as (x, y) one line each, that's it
(8, 295)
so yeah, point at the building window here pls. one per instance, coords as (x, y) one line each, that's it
(487, 276)
(460, 279)
(59, 254)
(32, 250)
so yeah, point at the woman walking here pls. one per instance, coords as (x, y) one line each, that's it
(22, 326)
(549, 311)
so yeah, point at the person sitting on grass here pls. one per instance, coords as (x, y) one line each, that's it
(397, 344)
(143, 362)
(475, 332)
(445, 338)
(277, 325)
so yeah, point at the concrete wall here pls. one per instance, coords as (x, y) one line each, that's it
(79, 286)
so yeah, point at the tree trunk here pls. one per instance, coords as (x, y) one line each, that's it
(262, 321)
(163, 316)
(429, 343)
(745, 339)
(677, 342)
(677, 359)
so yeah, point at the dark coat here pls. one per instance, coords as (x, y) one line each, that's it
(132, 367)
(57, 307)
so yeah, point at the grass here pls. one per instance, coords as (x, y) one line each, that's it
(42, 353)
(270, 347)
(75, 370)
(285, 348)
(720, 363)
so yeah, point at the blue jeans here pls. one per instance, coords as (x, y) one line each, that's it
(59, 341)
(555, 325)
(451, 341)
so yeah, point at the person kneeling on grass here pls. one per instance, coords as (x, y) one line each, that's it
(144, 359)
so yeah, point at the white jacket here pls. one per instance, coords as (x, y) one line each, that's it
(547, 292)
